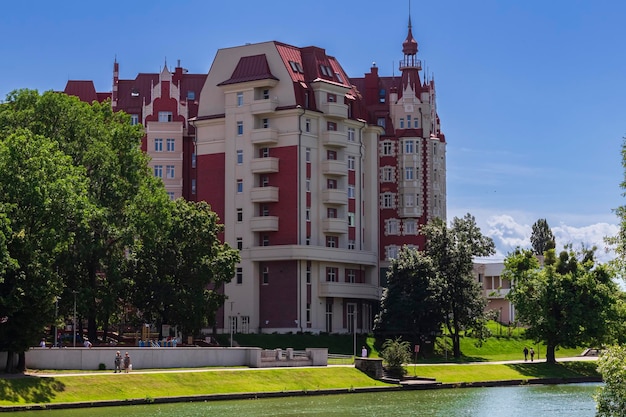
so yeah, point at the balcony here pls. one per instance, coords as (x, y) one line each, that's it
(349, 290)
(334, 138)
(339, 226)
(264, 195)
(335, 110)
(334, 167)
(334, 196)
(409, 212)
(264, 106)
(264, 165)
(497, 293)
(264, 136)
(264, 224)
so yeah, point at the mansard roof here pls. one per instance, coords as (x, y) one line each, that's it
(250, 68)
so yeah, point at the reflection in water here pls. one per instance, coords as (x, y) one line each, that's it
(573, 400)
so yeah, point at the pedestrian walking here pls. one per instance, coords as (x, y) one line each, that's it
(532, 354)
(127, 365)
(118, 362)
(525, 353)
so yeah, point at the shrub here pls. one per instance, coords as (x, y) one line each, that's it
(396, 352)
(102, 367)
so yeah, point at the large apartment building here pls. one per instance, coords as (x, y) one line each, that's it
(318, 178)
(411, 152)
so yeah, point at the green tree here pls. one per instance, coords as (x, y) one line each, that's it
(611, 398)
(542, 238)
(410, 307)
(568, 302)
(43, 201)
(619, 241)
(452, 250)
(108, 148)
(185, 286)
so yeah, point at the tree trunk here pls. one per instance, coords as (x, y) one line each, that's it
(21, 362)
(550, 348)
(9, 367)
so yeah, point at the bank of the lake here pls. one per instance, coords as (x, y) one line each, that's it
(106, 388)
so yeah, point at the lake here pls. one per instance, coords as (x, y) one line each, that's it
(571, 400)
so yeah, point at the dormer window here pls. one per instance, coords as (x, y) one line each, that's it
(296, 67)
(134, 93)
(191, 95)
(326, 71)
(339, 77)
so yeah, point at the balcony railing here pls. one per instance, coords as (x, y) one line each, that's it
(334, 196)
(264, 165)
(335, 110)
(264, 224)
(334, 138)
(264, 106)
(349, 290)
(497, 293)
(335, 226)
(264, 194)
(266, 136)
(334, 167)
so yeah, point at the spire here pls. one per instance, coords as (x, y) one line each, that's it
(409, 46)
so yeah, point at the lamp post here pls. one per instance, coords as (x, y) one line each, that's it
(74, 325)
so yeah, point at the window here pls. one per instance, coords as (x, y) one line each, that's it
(307, 125)
(408, 173)
(265, 123)
(308, 313)
(339, 77)
(381, 122)
(351, 163)
(331, 98)
(264, 152)
(402, 123)
(308, 240)
(331, 274)
(351, 191)
(381, 95)
(266, 94)
(409, 200)
(239, 215)
(408, 121)
(239, 99)
(296, 67)
(239, 156)
(158, 145)
(165, 116)
(392, 252)
(350, 276)
(239, 128)
(193, 186)
(331, 241)
(409, 227)
(351, 134)
(331, 155)
(331, 126)
(351, 244)
(265, 180)
(239, 275)
(170, 144)
(308, 214)
(387, 148)
(170, 195)
(193, 159)
(158, 171)
(169, 170)
(239, 186)
(331, 213)
(308, 272)
(307, 154)
(308, 185)
(191, 95)
(387, 174)
(391, 227)
(134, 93)
(408, 146)
(239, 243)
(134, 119)
(415, 125)
(387, 200)
(265, 275)
(351, 219)
(331, 184)
(264, 210)
(265, 240)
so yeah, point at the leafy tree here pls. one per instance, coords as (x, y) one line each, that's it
(452, 251)
(611, 398)
(43, 200)
(568, 302)
(619, 241)
(185, 285)
(542, 238)
(396, 352)
(108, 148)
(410, 306)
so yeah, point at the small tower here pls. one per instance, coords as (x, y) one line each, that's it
(116, 79)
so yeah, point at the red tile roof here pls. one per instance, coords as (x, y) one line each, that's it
(250, 68)
(84, 90)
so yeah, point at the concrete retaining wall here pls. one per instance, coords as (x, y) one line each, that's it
(156, 357)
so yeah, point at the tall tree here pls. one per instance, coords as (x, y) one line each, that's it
(43, 200)
(542, 238)
(619, 241)
(452, 250)
(410, 307)
(108, 148)
(611, 398)
(568, 302)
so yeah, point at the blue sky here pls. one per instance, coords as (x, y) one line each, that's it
(531, 94)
